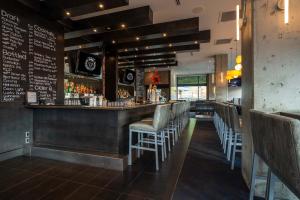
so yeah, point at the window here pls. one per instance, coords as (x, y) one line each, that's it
(192, 87)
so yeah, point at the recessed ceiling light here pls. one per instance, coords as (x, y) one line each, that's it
(80, 46)
(137, 38)
(114, 42)
(165, 34)
(147, 47)
(95, 30)
(126, 50)
(101, 5)
(108, 28)
(170, 45)
(196, 42)
(143, 60)
(135, 56)
(136, 49)
(68, 13)
(174, 52)
(123, 25)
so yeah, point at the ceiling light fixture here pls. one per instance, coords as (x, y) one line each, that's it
(101, 6)
(174, 52)
(137, 38)
(170, 45)
(68, 13)
(165, 34)
(286, 11)
(95, 30)
(123, 25)
(114, 42)
(108, 28)
(147, 47)
(136, 49)
(237, 22)
(196, 42)
(126, 50)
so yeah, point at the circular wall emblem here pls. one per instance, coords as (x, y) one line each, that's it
(130, 76)
(90, 63)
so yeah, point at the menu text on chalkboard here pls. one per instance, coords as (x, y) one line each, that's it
(27, 60)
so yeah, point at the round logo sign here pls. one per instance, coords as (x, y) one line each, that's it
(130, 77)
(90, 63)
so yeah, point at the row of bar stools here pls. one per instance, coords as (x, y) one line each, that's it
(166, 124)
(276, 141)
(226, 121)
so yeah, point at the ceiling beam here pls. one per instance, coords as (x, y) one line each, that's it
(166, 61)
(158, 66)
(200, 37)
(193, 47)
(130, 18)
(190, 25)
(140, 58)
(95, 49)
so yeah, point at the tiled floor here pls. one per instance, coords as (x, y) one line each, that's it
(206, 174)
(32, 179)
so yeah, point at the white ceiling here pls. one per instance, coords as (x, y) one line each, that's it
(167, 10)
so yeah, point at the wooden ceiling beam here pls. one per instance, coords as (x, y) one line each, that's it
(200, 37)
(157, 66)
(184, 26)
(184, 48)
(140, 58)
(165, 61)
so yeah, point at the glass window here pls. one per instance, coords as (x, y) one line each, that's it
(192, 87)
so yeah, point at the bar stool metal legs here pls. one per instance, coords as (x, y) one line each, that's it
(253, 176)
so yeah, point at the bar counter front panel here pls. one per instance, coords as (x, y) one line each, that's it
(97, 129)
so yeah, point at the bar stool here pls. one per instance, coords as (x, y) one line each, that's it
(154, 131)
(235, 138)
(276, 141)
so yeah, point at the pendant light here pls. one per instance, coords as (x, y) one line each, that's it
(238, 60)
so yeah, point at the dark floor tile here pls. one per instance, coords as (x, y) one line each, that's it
(132, 197)
(62, 191)
(87, 175)
(121, 183)
(65, 171)
(106, 195)
(13, 179)
(42, 189)
(104, 178)
(206, 173)
(22, 187)
(148, 185)
(84, 193)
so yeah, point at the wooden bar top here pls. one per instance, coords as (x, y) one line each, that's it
(80, 107)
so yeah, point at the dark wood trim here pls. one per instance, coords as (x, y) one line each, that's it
(193, 47)
(201, 37)
(190, 25)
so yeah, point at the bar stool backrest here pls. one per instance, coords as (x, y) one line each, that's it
(234, 119)
(276, 140)
(161, 116)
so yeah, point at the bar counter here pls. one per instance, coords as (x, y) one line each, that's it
(85, 128)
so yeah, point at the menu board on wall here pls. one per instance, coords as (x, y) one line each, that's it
(27, 60)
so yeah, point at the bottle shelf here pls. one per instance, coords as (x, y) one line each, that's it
(71, 75)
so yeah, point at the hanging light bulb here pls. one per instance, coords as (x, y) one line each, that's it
(238, 67)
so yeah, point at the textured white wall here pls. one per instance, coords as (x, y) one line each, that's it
(276, 70)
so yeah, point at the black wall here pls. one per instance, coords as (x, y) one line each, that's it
(15, 120)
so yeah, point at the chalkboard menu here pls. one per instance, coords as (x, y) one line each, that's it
(27, 60)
